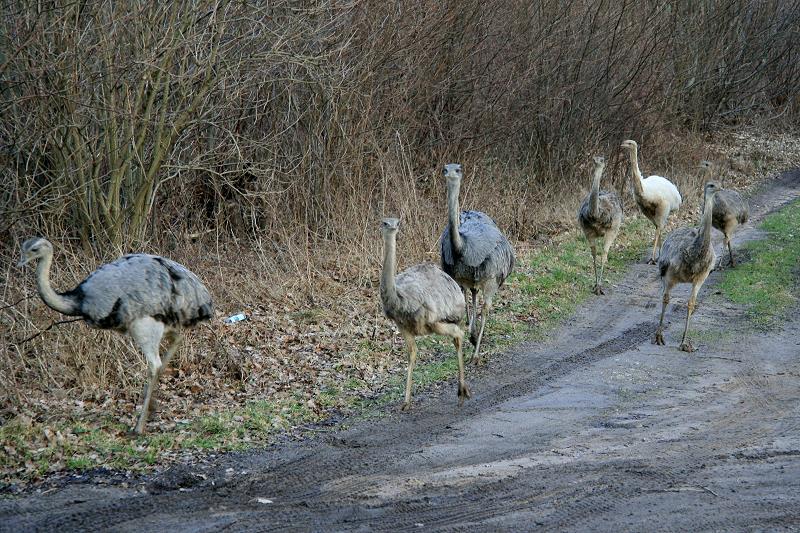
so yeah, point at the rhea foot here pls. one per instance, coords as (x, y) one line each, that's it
(598, 290)
(477, 361)
(659, 340)
(651, 261)
(463, 394)
(406, 406)
(686, 346)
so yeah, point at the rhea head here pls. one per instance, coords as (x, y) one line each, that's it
(452, 173)
(628, 145)
(599, 161)
(33, 249)
(390, 225)
(711, 187)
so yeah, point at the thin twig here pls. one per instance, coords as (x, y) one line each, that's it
(15, 303)
(49, 328)
(718, 357)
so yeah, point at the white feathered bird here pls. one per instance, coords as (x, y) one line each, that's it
(656, 196)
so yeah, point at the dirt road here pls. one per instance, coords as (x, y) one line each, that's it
(595, 429)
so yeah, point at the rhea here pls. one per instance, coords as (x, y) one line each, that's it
(656, 196)
(475, 253)
(687, 257)
(600, 217)
(147, 296)
(421, 300)
(730, 211)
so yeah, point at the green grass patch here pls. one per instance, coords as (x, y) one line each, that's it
(767, 283)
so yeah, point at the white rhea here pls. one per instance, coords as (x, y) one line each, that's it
(421, 300)
(147, 296)
(656, 196)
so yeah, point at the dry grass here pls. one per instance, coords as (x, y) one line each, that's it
(315, 340)
(259, 144)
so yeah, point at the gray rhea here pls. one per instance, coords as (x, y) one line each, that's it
(600, 217)
(475, 253)
(687, 256)
(730, 210)
(146, 296)
(421, 300)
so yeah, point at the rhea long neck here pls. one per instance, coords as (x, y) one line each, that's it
(454, 215)
(594, 205)
(388, 288)
(703, 239)
(59, 302)
(636, 173)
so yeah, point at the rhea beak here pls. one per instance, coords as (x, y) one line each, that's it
(22, 262)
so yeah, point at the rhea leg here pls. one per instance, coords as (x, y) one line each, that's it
(488, 295)
(593, 248)
(452, 330)
(666, 287)
(686, 345)
(730, 250)
(608, 240)
(653, 256)
(147, 333)
(411, 343)
(174, 340)
(472, 337)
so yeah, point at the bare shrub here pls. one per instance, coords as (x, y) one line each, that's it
(259, 143)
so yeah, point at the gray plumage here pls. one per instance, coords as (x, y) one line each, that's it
(477, 255)
(730, 211)
(425, 296)
(687, 256)
(147, 296)
(600, 216)
(140, 285)
(486, 251)
(421, 300)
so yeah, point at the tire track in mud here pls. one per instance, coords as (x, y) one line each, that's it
(443, 467)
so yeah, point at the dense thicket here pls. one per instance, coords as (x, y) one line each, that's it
(305, 121)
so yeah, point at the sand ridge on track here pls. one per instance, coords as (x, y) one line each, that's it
(595, 428)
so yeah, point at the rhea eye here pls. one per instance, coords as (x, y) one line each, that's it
(35, 249)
